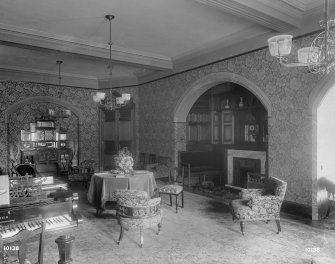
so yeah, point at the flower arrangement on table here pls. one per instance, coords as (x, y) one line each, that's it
(124, 161)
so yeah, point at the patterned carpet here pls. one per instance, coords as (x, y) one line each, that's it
(202, 232)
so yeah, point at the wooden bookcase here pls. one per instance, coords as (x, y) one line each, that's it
(46, 148)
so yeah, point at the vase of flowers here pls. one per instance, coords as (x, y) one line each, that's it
(124, 161)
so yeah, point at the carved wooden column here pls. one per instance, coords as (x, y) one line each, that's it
(64, 247)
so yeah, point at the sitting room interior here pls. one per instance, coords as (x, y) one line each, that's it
(181, 131)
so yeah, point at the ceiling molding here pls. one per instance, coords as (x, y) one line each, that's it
(209, 56)
(277, 15)
(44, 72)
(104, 83)
(300, 4)
(42, 76)
(317, 8)
(49, 41)
(31, 75)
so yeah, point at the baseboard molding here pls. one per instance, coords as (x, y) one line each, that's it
(297, 209)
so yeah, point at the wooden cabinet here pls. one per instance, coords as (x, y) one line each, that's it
(227, 127)
(45, 148)
(227, 115)
(198, 128)
(48, 161)
(117, 131)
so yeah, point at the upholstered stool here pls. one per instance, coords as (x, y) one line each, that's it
(135, 210)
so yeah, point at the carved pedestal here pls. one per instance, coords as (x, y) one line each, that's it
(64, 247)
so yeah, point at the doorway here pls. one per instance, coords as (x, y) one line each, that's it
(325, 155)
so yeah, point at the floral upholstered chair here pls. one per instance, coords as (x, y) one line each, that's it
(135, 210)
(260, 204)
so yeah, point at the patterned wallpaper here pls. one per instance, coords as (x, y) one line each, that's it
(290, 127)
(15, 91)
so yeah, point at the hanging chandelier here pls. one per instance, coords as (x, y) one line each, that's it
(59, 62)
(111, 100)
(319, 57)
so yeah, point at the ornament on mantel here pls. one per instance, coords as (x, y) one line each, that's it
(241, 103)
(227, 106)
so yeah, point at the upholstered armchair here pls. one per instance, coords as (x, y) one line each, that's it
(135, 210)
(260, 204)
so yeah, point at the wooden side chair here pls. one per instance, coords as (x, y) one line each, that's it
(20, 241)
(173, 188)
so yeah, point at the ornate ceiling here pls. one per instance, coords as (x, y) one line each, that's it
(151, 38)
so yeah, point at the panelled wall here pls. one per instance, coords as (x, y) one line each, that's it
(226, 114)
(289, 127)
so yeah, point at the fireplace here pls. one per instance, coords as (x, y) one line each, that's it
(241, 166)
(245, 160)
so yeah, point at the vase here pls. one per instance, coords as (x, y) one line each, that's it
(241, 104)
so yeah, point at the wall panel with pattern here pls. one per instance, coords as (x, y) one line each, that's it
(290, 126)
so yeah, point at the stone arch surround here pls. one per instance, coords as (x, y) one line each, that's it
(46, 100)
(196, 89)
(42, 99)
(316, 97)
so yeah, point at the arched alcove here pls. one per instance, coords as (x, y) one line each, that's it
(196, 89)
(20, 114)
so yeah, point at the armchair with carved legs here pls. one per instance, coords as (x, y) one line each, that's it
(260, 204)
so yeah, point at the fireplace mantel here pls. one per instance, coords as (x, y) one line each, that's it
(238, 153)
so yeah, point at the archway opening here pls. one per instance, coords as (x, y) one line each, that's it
(226, 135)
(325, 155)
(43, 131)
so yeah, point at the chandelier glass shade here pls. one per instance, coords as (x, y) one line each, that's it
(319, 57)
(111, 100)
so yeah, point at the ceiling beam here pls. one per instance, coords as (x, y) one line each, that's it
(277, 15)
(122, 55)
